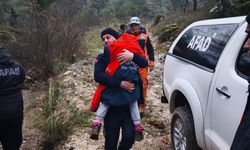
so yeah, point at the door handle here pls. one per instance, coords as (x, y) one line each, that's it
(223, 92)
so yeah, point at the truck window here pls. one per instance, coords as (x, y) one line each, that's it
(203, 45)
(243, 65)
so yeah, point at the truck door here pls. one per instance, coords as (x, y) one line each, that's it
(228, 96)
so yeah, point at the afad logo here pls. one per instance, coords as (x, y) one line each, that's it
(142, 37)
(200, 43)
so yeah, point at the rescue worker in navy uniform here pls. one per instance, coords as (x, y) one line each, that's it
(145, 44)
(242, 137)
(12, 76)
(117, 117)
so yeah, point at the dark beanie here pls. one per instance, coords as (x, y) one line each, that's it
(109, 31)
(248, 19)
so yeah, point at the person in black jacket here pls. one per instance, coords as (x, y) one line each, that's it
(12, 76)
(117, 116)
(242, 137)
(248, 24)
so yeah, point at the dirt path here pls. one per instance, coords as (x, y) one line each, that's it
(31, 135)
(155, 123)
(79, 88)
(157, 118)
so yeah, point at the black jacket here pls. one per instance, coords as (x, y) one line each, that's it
(12, 76)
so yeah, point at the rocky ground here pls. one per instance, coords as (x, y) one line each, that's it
(155, 122)
(79, 87)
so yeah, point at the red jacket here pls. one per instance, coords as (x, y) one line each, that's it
(125, 41)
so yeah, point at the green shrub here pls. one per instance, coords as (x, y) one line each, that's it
(241, 7)
(167, 31)
(173, 24)
(49, 35)
(60, 65)
(93, 42)
(157, 19)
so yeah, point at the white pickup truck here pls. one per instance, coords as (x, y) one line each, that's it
(206, 84)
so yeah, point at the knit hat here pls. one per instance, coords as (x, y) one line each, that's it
(248, 19)
(109, 31)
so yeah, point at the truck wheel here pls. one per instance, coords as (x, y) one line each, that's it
(182, 130)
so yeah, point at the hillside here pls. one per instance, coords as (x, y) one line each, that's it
(57, 41)
(79, 87)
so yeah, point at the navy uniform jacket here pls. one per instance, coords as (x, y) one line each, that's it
(12, 76)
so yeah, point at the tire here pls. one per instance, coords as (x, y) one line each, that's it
(182, 130)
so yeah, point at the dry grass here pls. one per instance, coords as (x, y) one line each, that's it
(57, 118)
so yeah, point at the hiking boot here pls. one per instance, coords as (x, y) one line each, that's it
(142, 114)
(138, 132)
(138, 136)
(95, 131)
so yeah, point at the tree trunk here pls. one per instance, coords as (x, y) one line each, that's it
(194, 5)
(227, 4)
(185, 6)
